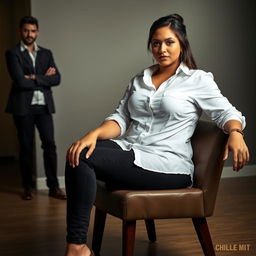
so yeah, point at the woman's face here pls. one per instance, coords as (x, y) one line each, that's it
(165, 47)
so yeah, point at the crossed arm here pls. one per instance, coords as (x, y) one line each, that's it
(31, 81)
(51, 71)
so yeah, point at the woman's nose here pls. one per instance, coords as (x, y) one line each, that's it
(162, 47)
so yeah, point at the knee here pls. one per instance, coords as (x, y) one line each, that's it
(49, 146)
(26, 143)
(81, 169)
(82, 156)
(80, 174)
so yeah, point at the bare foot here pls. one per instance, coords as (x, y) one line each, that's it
(77, 250)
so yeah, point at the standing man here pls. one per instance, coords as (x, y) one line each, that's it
(33, 72)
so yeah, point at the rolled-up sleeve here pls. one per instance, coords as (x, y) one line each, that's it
(214, 104)
(121, 114)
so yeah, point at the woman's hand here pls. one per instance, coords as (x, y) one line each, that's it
(237, 146)
(73, 153)
(107, 130)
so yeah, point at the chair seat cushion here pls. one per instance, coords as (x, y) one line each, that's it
(150, 204)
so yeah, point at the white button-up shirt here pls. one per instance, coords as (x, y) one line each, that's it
(38, 96)
(158, 123)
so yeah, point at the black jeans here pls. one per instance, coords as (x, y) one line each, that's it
(115, 166)
(38, 117)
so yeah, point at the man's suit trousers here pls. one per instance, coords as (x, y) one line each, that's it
(38, 117)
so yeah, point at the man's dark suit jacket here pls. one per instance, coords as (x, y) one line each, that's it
(19, 63)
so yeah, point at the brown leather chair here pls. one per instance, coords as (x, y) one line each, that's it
(197, 202)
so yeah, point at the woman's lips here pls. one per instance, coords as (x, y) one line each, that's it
(163, 57)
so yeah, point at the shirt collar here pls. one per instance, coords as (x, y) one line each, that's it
(23, 47)
(184, 68)
(181, 68)
(147, 74)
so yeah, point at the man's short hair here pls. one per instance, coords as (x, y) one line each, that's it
(29, 20)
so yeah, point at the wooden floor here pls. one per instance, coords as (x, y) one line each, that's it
(37, 227)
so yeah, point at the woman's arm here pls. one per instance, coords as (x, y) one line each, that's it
(108, 130)
(113, 126)
(209, 98)
(236, 144)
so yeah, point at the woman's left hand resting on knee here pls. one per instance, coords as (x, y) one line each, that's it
(236, 145)
(108, 130)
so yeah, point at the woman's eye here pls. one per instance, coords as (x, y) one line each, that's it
(155, 44)
(169, 42)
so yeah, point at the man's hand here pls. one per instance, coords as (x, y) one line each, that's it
(51, 71)
(32, 76)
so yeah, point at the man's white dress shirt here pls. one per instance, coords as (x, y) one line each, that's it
(38, 96)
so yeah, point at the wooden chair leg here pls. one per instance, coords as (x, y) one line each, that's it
(150, 225)
(204, 236)
(98, 229)
(129, 228)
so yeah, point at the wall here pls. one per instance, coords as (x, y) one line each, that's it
(99, 45)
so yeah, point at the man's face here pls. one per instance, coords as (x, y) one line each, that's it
(29, 33)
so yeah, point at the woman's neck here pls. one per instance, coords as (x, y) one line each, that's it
(167, 71)
(162, 74)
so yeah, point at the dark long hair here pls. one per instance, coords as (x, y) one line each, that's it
(175, 22)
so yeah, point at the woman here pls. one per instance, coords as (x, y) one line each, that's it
(151, 131)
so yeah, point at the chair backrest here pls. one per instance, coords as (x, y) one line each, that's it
(208, 144)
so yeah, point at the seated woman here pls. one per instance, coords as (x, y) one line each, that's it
(145, 143)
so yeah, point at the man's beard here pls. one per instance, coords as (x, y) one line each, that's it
(29, 42)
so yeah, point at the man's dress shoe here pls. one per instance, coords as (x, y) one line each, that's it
(27, 195)
(57, 193)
